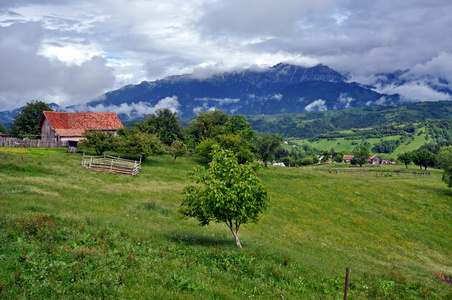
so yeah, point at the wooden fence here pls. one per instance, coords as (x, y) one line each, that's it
(30, 143)
(373, 173)
(111, 164)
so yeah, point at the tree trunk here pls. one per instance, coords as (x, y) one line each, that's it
(174, 159)
(235, 233)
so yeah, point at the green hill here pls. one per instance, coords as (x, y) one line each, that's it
(412, 125)
(312, 124)
(67, 232)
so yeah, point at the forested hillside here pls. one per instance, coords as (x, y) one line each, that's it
(323, 124)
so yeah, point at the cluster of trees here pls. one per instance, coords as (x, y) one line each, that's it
(387, 146)
(155, 134)
(425, 158)
(321, 124)
(422, 158)
(440, 130)
(162, 133)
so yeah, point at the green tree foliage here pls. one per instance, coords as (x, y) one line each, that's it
(326, 156)
(266, 146)
(3, 129)
(231, 142)
(315, 158)
(100, 141)
(288, 161)
(232, 133)
(26, 122)
(406, 158)
(424, 158)
(339, 158)
(387, 146)
(306, 161)
(143, 144)
(164, 123)
(226, 192)
(365, 122)
(237, 124)
(207, 125)
(178, 149)
(445, 162)
(360, 155)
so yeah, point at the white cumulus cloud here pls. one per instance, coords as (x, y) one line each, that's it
(415, 92)
(134, 109)
(317, 105)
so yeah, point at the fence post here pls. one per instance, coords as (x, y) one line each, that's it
(346, 283)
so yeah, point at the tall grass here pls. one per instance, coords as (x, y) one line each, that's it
(67, 232)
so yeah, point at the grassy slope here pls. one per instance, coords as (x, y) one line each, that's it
(340, 144)
(120, 236)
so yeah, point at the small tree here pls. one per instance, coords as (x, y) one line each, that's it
(178, 148)
(339, 158)
(445, 162)
(226, 192)
(101, 141)
(406, 158)
(3, 129)
(266, 145)
(143, 144)
(360, 155)
(325, 156)
(26, 122)
(315, 159)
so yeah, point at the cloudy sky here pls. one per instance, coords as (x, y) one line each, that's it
(71, 51)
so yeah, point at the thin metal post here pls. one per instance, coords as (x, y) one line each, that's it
(346, 283)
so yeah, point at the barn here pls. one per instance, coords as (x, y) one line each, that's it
(64, 126)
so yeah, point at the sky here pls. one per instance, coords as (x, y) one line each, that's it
(70, 52)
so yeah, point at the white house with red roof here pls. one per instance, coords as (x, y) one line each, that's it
(63, 126)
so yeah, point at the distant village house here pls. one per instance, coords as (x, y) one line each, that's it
(376, 160)
(347, 158)
(63, 126)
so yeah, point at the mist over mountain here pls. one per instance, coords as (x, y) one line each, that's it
(279, 89)
(283, 88)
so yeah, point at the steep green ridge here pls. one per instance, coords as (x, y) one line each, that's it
(311, 124)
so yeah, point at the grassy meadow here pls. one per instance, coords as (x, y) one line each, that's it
(67, 232)
(342, 144)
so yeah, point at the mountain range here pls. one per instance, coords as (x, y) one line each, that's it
(283, 88)
(280, 89)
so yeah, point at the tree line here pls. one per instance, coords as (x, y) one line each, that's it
(161, 133)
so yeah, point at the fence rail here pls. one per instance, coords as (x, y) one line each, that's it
(16, 142)
(111, 164)
(372, 173)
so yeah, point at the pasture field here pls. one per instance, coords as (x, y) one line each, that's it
(68, 232)
(341, 144)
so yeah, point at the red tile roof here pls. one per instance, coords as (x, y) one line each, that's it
(74, 124)
(347, 157)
